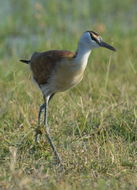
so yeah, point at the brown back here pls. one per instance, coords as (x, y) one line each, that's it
(43, 64)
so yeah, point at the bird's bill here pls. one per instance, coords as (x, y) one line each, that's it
(104, 44)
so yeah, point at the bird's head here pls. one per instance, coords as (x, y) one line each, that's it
(93, 40)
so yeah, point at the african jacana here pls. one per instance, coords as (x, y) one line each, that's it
(58, 70)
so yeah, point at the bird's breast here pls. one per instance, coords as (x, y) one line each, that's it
(68, 75)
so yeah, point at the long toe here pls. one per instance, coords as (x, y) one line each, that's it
(38, 133)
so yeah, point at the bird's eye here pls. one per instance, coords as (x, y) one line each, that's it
(95, 38)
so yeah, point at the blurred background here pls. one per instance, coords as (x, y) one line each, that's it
(30, 25)
(27, 26)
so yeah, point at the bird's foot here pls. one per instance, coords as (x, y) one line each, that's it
(38, 133)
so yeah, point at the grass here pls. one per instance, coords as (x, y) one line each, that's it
(94, 125)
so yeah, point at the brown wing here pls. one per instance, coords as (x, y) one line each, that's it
(43, 64)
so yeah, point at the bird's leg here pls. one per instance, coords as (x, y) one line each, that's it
(38, 131)
(42, 107)
(46, 99)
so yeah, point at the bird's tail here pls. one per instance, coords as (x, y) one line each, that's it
(25, 61)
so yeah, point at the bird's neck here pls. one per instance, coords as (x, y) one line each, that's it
(82, 55)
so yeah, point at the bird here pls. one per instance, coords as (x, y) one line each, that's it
(59, 70)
